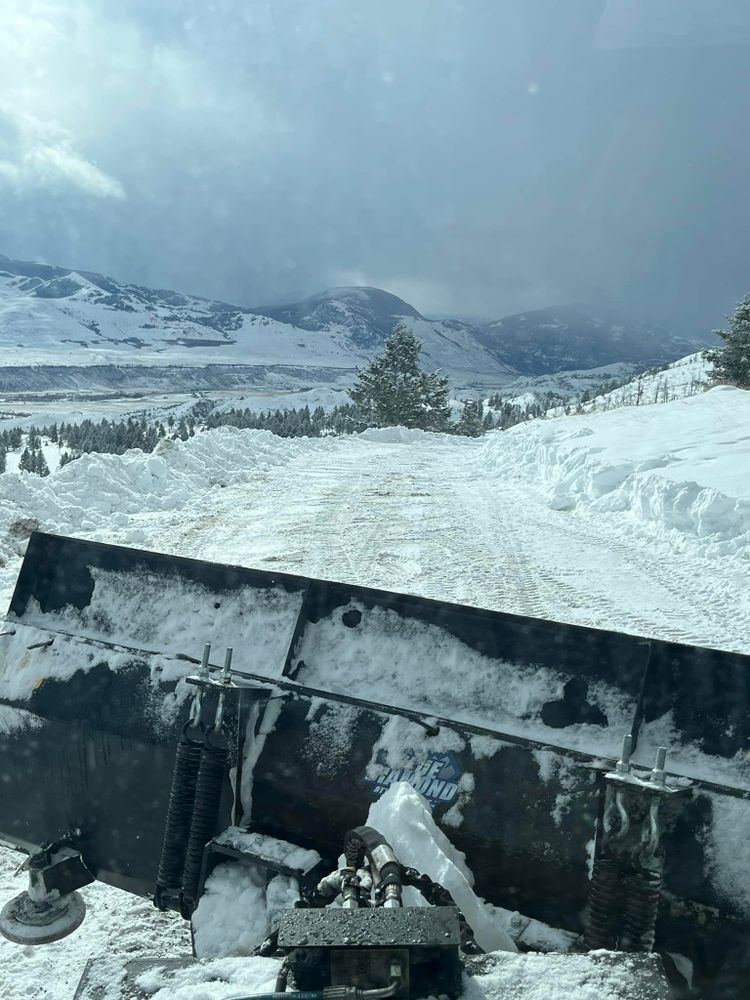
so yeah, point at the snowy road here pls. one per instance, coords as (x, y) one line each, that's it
(428, 519)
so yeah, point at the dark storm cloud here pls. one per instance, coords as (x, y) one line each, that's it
(477, 157)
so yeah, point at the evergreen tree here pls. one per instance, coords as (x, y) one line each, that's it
(27, 461)
(471, 423)
(42, 469)
(394, 391)
(2, 460)
(731, 363)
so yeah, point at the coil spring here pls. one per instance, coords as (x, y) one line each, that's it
(642, 894)
(605, 894)
(208, 790)
(177, 827)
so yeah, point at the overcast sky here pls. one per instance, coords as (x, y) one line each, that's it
(481, 157)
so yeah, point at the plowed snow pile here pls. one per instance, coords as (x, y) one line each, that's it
(681, 471)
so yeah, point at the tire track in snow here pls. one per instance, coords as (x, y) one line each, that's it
(426, 518)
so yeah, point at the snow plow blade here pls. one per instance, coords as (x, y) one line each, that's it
(505, 724)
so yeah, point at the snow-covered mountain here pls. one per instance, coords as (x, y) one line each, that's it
(51, 315)
(562, 338)
(54, 316)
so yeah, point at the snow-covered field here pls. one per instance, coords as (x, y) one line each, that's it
(635, 519)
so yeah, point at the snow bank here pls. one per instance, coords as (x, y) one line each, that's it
(405, 820)
(99, 485)
(679, 470)
(102, 492)
(238, 909)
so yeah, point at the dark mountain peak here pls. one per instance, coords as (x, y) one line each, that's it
(367, 314)
(596, 315)
(581, 335)
(375, 299)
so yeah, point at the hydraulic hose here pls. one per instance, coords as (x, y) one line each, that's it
(364, 840)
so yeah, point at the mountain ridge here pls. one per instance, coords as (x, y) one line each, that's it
(47, 310)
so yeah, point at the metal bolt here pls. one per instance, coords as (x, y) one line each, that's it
(227, 669)
(225, 679)
(204, 660)
(658, 776)
(195, 711)
(623, 764)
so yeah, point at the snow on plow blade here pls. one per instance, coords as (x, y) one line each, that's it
(506, 724)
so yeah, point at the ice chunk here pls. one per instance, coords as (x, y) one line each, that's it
(404, 818)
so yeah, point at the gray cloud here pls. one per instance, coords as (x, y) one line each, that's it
(484, 157)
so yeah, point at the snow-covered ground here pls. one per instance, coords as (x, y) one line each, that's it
(686, 377)
(635, 519)
(115, 923)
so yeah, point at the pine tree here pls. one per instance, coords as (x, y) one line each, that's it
(394, 391)
(2, 460)
(42, 469)
(27, 461)
(471, 423)
(731, 363)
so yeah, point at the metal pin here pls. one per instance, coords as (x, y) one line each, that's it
(203, 669)
(657, 775)
(226, 669)
(623, 764)
(226, 672)
(195, 712)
